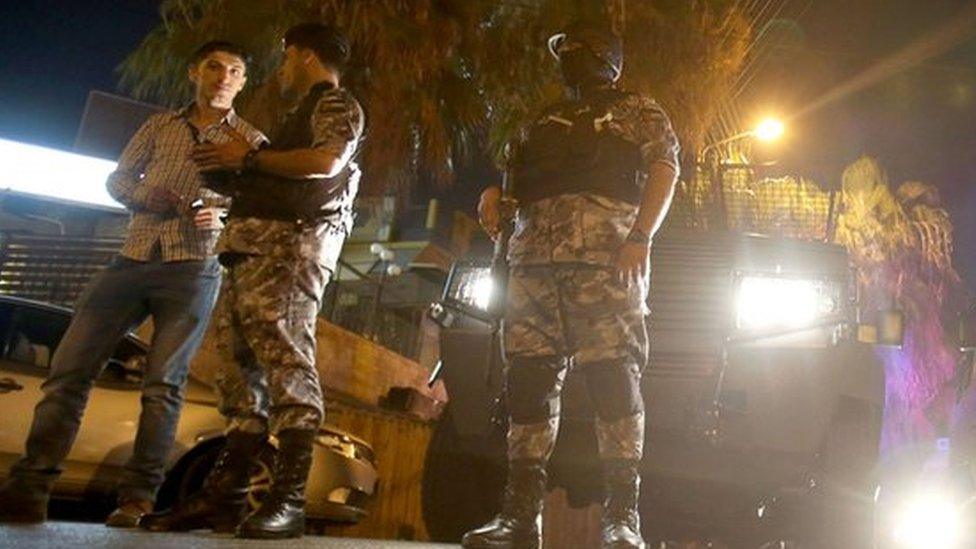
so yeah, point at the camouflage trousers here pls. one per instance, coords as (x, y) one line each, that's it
(265, 321)
(560, 316)
(580, 312)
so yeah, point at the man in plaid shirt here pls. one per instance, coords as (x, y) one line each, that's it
(167, 270)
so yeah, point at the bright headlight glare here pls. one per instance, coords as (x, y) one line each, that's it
(474, 288)
(769, 301)
(928, 521)
(481, 291)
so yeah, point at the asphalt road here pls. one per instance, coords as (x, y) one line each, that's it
(74, 534)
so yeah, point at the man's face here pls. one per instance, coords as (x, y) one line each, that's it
(290, 71)
(219, 77)
(580, 66)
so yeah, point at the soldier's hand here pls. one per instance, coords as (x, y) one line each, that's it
(633, 262)
(489, 211)
(225, 156)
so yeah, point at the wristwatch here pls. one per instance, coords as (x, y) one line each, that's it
(250, 160)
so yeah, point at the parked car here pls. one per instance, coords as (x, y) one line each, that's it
(343, 477)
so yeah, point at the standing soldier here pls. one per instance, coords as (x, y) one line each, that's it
(290, 215)
(593, 179)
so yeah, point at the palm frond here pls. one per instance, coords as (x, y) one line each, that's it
(444, 79)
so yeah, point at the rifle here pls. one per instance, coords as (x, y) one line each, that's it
(499, 260)
(499, 295)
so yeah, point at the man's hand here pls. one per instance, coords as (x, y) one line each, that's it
(227, 156)
(208, 219)
(160, 200)
(489, 211)
(633, 262)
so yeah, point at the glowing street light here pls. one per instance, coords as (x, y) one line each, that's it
(711, 159)
(770, 129)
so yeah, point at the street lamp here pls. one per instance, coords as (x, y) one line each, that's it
(386, 256)
(768, 130)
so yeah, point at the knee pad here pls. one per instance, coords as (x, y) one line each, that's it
(614, 388)
(533, 386)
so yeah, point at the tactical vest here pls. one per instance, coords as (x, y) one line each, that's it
(572, 150)
(268, 196)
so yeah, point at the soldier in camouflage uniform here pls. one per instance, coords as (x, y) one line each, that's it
(593, 179)
(290, 214)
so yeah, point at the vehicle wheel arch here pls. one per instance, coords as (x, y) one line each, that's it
(176, 475)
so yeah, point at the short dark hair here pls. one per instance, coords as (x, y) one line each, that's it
(206, 49)
(328, 43)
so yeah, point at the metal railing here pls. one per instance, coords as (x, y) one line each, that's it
(357, 305)
(54, 269)
(737, 197)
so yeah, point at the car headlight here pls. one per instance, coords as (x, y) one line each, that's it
(334, 443)
(470, 287)
(930, 520)
(769, 302)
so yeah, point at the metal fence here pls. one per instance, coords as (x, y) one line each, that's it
(359, 306)
(737, 197)
(54, 269)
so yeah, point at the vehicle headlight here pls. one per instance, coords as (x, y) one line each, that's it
(470, 286)
(771, 302)
(339, 495)
(332, 442)
(928, 521)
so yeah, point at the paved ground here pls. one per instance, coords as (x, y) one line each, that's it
(73, 534)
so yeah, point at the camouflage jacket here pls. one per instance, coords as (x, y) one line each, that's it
(570, 228)
(337, 124)
(587, 227)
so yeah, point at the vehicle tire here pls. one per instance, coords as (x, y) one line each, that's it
(460, 490)
(187, 477)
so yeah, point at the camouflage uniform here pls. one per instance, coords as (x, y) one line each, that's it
(277, 270)
(579, 178)
(566, 306)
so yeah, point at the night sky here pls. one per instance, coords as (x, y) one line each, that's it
(52, 52)
(921, 122)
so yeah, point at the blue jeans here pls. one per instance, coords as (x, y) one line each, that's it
(180, 297)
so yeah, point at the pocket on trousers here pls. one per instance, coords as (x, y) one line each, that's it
(605, 223)
(212, 268)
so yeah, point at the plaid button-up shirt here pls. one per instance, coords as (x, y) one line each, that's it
(159, 155)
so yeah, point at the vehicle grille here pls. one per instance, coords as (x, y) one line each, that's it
(691, 279)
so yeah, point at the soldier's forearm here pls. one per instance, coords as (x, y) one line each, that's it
(491, 190)
(299, 163)
(658, 193)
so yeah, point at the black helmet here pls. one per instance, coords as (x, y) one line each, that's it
(599, 39)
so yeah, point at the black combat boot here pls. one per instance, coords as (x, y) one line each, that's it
(282, 515)
(621, 520)
(222, 502)
(24, 499)
(519, 525)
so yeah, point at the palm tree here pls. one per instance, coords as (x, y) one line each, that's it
(442, 80)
